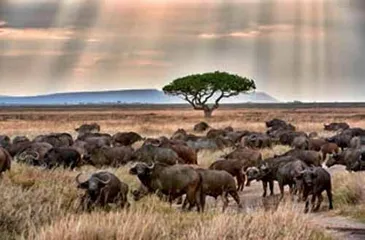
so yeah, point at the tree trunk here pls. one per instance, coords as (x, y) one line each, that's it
(208, 112)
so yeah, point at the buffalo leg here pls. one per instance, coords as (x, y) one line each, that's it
(281, 186)
(319, 202)
(271, 185)
(313, 201)
(264, 186)
(329, 195)
(225, 201)
(194, 196)
(240, 181)
(236, 197)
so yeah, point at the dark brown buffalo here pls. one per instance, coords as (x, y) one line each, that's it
(267, 172)
(256, 140)
(357, 142)
(18, 146)
(150, 154)
(354, 132)
(97, 142)
(218, 183)
(249, 156)
(171, 181)
(287, 175)
(301, 143)
(85, 136)
(56, 139)
(126, 138)
(109, 156)
(311, 158)
(5, 160)
(233, 167)
(275, 126)
(103, 188)
(342, 140)
(214, 133)
(182, 135)
(34, 153)
(88, 128)
(186, 153)
(347, 158)
(315, 181)
(18, 139)
(81, 147)
(336, 126)
(313, 135)
(329, 148)
(245, 153)
(201, 127)
(316, 144)
(287, 137)
(66, 157)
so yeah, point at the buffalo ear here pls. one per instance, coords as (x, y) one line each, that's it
(314, 174)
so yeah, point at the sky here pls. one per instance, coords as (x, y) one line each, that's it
(306, 50)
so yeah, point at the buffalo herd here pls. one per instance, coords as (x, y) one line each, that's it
(168, 166)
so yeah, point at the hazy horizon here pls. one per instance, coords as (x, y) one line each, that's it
(306, 50)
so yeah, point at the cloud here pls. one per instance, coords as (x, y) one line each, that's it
(23, 53)
(148, 63)
(265, 30)
(35, 34)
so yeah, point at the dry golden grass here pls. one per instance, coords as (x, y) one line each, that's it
(40, 204)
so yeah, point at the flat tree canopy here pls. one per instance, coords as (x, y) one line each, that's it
(201, 89)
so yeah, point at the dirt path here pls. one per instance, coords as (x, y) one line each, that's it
(339, 227)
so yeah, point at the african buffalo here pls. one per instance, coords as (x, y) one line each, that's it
(18, 139)
(56, 139)
(357, 142)
(218, 183)
(329, 148)
(109, 156)
(256, 140)
(342, 140)
(336, 126)
(171, 181)
(233, 167)
(287, 174)
(249, 156)
(34, 153)
(150, 153)
(287, 137)
(201, 127)
(62, 156)
(301, 143)
(88, 128)
(315, 181)
(18, 146)
(316, 144)
(267, 172)
(5, 160)
(311, 158)
(126, 138)
(103, 188)
(346, 158)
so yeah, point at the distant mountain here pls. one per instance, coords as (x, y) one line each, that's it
(143, 96)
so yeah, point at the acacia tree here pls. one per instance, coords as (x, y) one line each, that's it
(205, 91)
